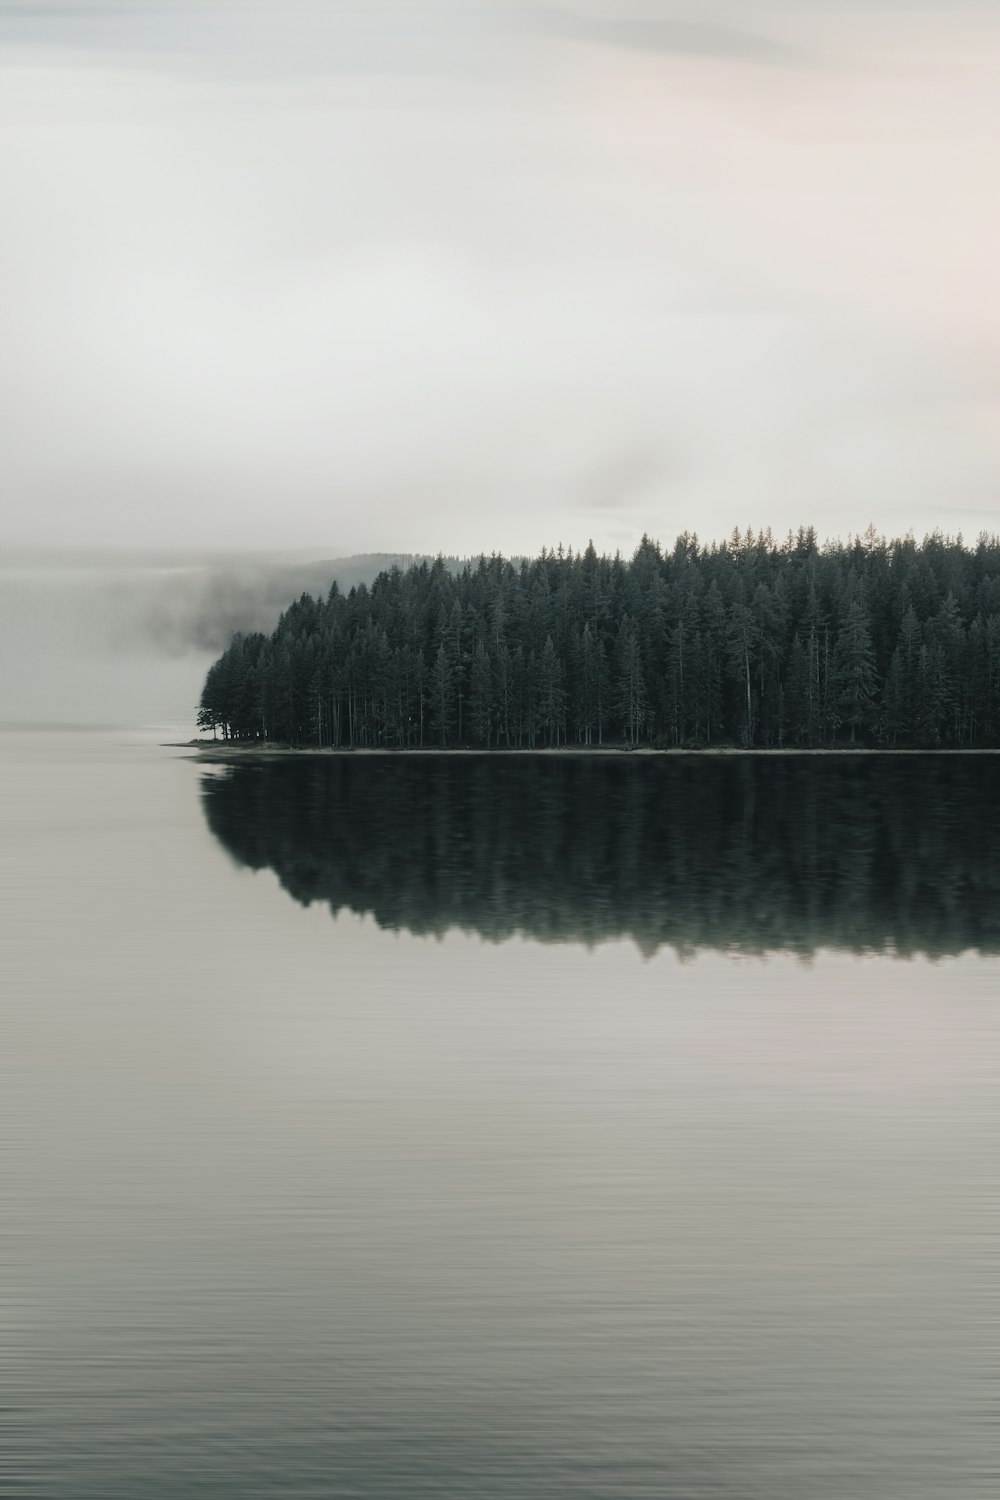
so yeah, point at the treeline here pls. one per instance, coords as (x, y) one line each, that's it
(742, 854)
(749, 642)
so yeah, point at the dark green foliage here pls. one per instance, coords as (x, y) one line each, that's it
(752, 853)
(750, 642)
(856, 675)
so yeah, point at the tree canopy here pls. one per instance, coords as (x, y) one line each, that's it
(749, 642)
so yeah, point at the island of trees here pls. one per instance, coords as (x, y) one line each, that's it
(749, 642)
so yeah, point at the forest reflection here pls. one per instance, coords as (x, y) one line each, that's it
(745, 854)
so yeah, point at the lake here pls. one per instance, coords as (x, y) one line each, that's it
(498, 1127)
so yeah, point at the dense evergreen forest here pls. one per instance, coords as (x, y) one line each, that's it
(857, 852)
(750, 642)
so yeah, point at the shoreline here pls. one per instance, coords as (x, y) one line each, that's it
(211, 750)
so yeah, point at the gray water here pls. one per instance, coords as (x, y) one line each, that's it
(300, 1200)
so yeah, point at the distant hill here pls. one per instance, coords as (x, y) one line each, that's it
(201, 609)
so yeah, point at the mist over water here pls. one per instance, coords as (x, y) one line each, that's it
(368, 1206)
(104, 638)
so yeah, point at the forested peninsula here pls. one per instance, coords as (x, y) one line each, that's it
(749, 642)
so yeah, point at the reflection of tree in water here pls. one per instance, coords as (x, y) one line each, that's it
(856, 852)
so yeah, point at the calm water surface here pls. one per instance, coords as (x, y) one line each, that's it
(390, 1129)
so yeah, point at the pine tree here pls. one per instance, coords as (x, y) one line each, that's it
(443, 695)
(481, 702)
(741, 644)
(551, 694)
(631, 687)
(797, 691)
(856, 678)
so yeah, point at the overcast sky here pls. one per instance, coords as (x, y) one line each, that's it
(463, 276)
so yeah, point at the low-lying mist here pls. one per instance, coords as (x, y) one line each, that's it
(100, 638)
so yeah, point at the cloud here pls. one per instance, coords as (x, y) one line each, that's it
(261, 40)
(661, 33)
(297, 276)
(624, 480)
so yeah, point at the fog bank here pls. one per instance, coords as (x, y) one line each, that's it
(104, 638)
